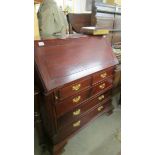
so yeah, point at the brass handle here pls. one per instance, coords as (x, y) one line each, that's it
(76, 99)
(103, 75)
(56, 97)
(76, 87)
(77, 112)
(77, 124)
(100, 108)
(102, 86)
(101, 97)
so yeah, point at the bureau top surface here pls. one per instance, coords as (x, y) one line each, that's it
(61, 61)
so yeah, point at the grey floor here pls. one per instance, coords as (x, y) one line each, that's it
(100, 137)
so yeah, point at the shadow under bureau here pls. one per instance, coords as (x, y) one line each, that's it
(75, 78)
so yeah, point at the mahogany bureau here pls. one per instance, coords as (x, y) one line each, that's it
(75, 78)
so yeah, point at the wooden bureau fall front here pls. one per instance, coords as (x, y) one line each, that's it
(75, 78)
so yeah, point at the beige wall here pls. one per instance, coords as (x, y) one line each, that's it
(36, 28)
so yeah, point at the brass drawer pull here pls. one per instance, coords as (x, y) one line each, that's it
(76, 99)
(101, 97)
(103, 75)
(102, 86)
(77, 112)
(100, 108)
(77, 124)
(56, 97)
(76, 87)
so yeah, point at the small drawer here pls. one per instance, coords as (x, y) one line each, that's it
(80, 122)
(84, 107)
(71, 102)
(102, 86)
(98, 77)
(110, 9)
(104, 16)
(74, 88)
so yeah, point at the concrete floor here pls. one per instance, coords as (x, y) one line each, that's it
(100, 137)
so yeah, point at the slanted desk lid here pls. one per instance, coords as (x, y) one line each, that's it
(60, 61)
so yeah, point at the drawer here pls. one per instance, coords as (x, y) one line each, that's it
(102, 86)
(98, 77)
(72, 127)
(104, 16)
(104, 23)
(71, 102)
(102, 8)
(74, 88)
(80, 110)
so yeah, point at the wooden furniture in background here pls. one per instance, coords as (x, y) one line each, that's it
(108, 17)
(103, 15)
(75, 77)
(77, 21)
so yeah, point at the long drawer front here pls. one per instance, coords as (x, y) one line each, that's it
(71, 102)
(72, 127)
(84, 107)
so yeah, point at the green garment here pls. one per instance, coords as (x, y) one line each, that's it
(52, 21)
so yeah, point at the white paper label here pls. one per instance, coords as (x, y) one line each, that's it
(41, 43)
